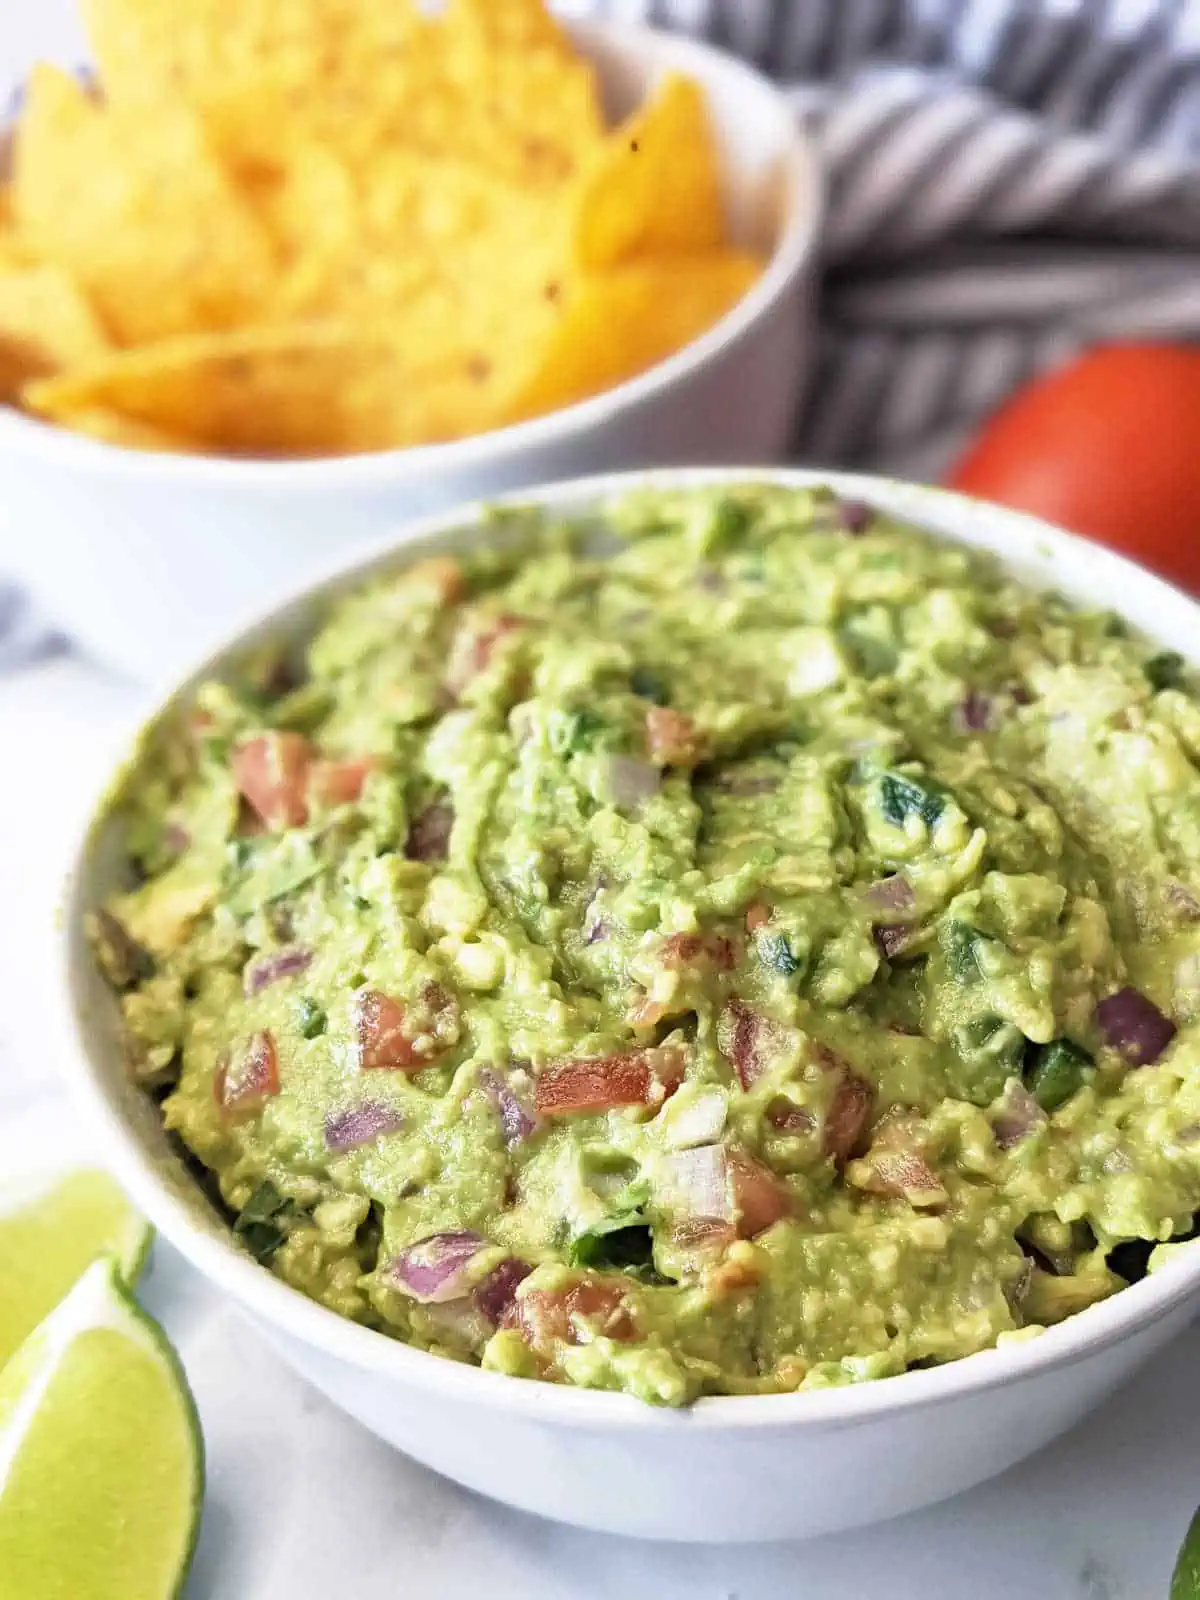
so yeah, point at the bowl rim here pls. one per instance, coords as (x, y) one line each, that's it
(293, 1317)
(793, 253)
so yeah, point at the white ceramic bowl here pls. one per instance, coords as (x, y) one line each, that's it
(728, 1468)
(147, 558)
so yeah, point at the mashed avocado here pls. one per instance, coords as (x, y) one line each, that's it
(748, 947)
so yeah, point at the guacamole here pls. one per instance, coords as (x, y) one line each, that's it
(737, 945)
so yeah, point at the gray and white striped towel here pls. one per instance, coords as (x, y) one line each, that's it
(1009, 180)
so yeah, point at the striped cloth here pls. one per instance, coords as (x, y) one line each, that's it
(1009, 180)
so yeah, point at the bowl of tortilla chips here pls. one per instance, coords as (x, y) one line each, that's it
(272, 277)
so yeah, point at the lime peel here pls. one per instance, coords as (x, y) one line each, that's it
(52, 1226)
(101, 1454)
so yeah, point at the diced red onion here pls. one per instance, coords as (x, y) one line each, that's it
(282, 964)
(460, 1321)
(695, 1183)
(496, 1293)
(358, 1125)
(699, 1120)
(1184, 901)
(1133, 1024)
(516, 1123)
(434, 1269)
(1017, 1115)
(975, 712)
(855, 516)
(891, 939)
(429, 833)
(892, 894)
(733, 783)
(596, 925)
(628, 780)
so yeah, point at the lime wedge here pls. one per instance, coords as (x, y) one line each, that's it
(1185, 1584)
(51, 1230)
(101, 1457)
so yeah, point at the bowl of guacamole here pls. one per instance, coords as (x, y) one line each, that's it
(716, 941)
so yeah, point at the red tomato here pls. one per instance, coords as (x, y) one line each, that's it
(247, 1076)
(758, 1196)
(1107, 447)
(339, 783)
(600, 1083)
(271, 772)
(565, 1087)
(381, 1032)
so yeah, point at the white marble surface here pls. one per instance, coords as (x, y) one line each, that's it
(303, 1504)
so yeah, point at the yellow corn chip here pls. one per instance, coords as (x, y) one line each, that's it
(144, 217)
(46, 323)
(321, 389)
(488, 27)
(619, 323)
(655, 188)
(110, 428)
(324, 226)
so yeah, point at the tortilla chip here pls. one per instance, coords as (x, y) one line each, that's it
(490, 26)
(322, 389)
(619, 323)
(110, 428)
(145, 219)
(259, 73)
(655, 188)
(46, 323)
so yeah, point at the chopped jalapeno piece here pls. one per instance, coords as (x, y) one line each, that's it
(1165, 670)
(573, 731)
(313, 1020)
(258, 1222)
(960, 944)
(1056, 1073)
(774, 951)
(648, 685)
(901, 797)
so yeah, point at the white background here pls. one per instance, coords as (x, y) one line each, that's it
(303, 1504)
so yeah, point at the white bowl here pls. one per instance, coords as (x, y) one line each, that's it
(146, 558)
(728, 1468)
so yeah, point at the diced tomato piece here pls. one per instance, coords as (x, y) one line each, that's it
(473, 646)
(672, 739)
(393, 1037)
(380, 1027)
(848, 1115)
(442, 575)
(569, 1315)
(757, 916)
(633, 1078)
(429, 833)
(789, 1118)
(271, 773)
(339, 783)
(681, 950)
(703, 1233)
(758, 1196)
(747, 1040)
(247, 1076)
